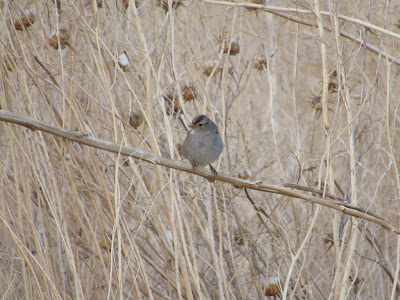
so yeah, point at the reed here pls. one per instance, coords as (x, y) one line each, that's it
(304, 97)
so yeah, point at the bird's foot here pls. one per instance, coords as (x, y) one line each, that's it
(214, 171)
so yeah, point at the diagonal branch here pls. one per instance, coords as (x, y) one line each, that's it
(85, 139)
(288, 13)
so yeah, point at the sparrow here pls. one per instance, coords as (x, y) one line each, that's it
(203, 144)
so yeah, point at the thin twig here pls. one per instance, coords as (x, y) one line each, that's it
(85, 139)
(278, 12)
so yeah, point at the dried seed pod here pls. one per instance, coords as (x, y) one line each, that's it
(316, 102)
(99, 3)
(328, 237)
(135, 118)
(26, 19)
(62, 37)
(333, 81)
(237, 236)
(272, 287)
(165, 5)
(125, 4)
(105, 244)
(123, 61)
(125, 161)
(260, 62)
(245, 174)
(231, 48)
(188, 92)
(209, 67)
(172, 105)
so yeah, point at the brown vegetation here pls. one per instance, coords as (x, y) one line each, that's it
(306, 97)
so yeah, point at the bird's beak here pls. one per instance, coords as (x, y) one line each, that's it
(192, 126)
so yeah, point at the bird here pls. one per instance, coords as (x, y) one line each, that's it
(203, 144)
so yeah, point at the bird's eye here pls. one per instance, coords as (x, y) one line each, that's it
(201, 124)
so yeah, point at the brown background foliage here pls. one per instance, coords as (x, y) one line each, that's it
(84, 223)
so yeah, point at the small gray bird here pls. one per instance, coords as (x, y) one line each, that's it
(203, 144)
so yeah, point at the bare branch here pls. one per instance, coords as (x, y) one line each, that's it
(85, 139)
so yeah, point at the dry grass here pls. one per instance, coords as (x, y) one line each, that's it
(294, 104)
